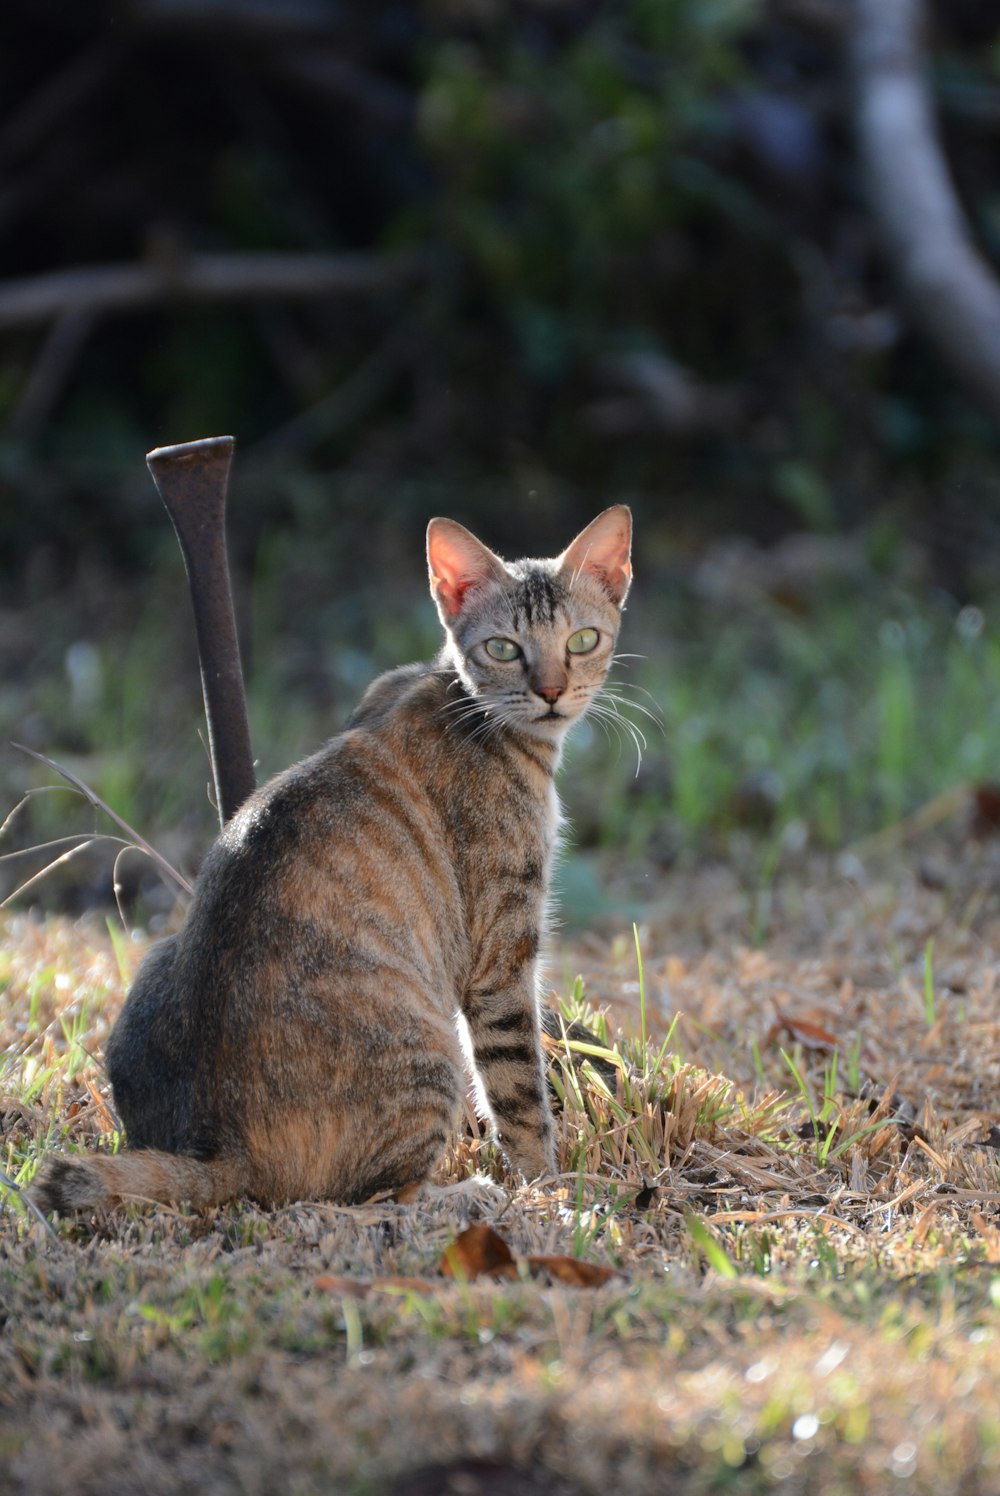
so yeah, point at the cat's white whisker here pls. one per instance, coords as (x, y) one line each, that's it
(632, 727)
(614, 707)
(631, 685)
(604, 705)
(608, 725)
(616, 695)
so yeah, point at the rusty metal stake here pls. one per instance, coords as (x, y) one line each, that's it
(192, 480)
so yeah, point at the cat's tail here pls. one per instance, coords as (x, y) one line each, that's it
(95, 1180)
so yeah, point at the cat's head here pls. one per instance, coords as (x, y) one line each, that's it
(532, 640)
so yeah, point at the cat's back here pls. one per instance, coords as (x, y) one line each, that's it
(327, 796)
(385, 693)
(354, 838)
(383, 849)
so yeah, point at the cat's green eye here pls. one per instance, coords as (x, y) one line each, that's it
(582, 642)
(502, 649)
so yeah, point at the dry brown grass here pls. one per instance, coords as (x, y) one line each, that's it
(810, 1306)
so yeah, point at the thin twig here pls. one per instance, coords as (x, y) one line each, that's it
(28, 1201)
(99, 804)
(41, 789)
(77, 838)
(43, 872)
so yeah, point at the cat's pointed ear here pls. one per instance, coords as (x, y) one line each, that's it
(602, 551)
(457, 562)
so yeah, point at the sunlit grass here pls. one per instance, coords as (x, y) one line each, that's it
(791, 1273)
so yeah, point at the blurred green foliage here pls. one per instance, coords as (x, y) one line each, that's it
(648, 271)
(552, 165)
(647, 275)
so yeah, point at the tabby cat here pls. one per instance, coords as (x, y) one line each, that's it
(297, 1038)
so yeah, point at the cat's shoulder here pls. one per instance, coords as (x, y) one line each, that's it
(407, 683)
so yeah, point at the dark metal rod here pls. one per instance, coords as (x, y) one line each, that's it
(192, 480)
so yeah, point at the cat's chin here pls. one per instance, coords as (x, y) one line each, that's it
(549, 726)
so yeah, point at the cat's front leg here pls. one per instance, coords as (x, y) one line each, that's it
(503, 1026)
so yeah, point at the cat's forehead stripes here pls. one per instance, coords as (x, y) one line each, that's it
(536, 596)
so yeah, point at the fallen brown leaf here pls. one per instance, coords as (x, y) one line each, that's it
(478, 1250)
(572, 1270)
(810, 1035)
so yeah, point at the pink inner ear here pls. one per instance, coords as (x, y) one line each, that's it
(452, 593)
(458, 562)
(602, 551)
(614, 577)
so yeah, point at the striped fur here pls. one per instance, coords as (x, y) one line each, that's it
(298, 1037)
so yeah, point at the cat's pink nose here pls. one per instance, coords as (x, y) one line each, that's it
(551, 694)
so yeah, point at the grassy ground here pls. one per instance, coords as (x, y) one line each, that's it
(792, 1172)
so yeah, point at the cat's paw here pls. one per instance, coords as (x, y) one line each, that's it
(532, 1165)
(478, 1188)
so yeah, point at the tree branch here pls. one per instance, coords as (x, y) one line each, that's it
(952, 291)
(98, 289)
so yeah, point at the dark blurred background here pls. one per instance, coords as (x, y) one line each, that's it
(522, 260)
